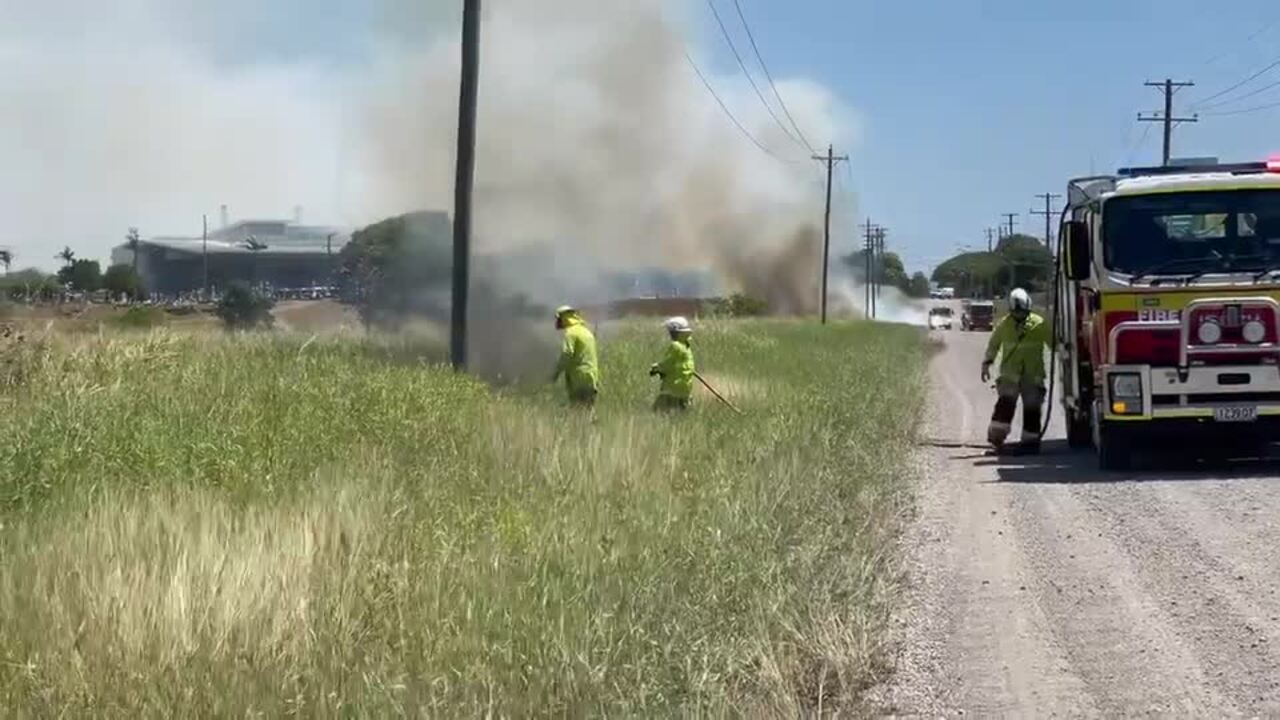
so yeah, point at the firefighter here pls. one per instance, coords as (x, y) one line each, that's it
(1019, 339)
(577, 358)
(676, 367)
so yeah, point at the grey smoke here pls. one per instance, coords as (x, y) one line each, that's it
(596, 140)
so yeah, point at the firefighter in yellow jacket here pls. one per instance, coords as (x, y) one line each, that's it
(578, 363)
(676, 367)
(1019, 339)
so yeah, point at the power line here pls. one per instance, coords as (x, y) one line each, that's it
(1245, 111)
(725, 108)
(1247, 95)
(1146, 132)
(737, 56)
(1238, 85)
(1236, 46)
(769, 76)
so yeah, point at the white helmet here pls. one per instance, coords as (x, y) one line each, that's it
(565, 310)
(1019, 300)
(678, 324)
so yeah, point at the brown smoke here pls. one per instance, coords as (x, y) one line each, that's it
(597, 142)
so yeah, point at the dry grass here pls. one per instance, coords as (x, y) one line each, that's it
(252, 525)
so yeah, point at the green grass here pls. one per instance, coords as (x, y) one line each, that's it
(273, 525)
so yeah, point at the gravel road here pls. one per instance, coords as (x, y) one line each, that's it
(1045, 587)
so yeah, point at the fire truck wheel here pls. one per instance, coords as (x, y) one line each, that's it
(1079, 432)
(1114, 451)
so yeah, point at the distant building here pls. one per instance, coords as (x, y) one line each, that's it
(277, 253)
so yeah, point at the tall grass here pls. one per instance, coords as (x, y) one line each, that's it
(260, 524)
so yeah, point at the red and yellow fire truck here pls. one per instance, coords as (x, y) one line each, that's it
(1168, 308)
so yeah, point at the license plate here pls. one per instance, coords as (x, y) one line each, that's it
(1235, 414)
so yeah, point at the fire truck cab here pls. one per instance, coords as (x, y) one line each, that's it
(1168, 311)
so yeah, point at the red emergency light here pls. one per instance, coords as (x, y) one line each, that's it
(1273, 164)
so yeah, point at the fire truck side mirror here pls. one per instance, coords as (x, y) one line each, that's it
(1078, 247)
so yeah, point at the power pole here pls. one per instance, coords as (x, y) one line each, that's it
(880, 233)
(1010, 218)
(465, 178)
(868, 250)
(204, 248)
(1168, 87)
(1048, 213)
(869, 238)
(990, 234)
(831, 161)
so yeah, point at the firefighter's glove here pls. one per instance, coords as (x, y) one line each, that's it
(986, 371)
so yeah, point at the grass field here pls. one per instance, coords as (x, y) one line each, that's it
(206, 525)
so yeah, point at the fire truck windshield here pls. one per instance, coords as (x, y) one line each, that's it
(1192, 233)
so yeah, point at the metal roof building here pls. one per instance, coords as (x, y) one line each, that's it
(277, 253)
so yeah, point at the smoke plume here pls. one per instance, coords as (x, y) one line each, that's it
(597, 141)
(597, 136)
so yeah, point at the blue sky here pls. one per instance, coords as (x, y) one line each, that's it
(965, 108)
(970, 107)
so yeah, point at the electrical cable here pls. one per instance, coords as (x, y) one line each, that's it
(1245, 111)
(1238, 85)
(1229, 101)
(769, 76)
(1236, 47)
(706, 83)
(724, 31)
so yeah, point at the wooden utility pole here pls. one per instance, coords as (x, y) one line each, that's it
(1168, 87)
(1048, 213)
(464, 179)
(204, 251)
(831, 161)
(880, 233)
(1010, 218)
(868, 250)
(991, 232)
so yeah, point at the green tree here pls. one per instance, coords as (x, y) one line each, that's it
(1019, 261)
(122, 279)
(399, 267)
(30, 284)
(918, 286)
(81, 275)
(66, 255)
(243, 308)
(6, 259)
(133, 241)
(891, 270)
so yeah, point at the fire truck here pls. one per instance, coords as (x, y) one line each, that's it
(1167, 315)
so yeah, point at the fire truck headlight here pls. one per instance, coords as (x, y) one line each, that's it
(1126, 394)
(1253, 331)
(1127, 386)
(1210, 332)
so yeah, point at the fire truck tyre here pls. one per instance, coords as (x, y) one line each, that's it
(1114, 450)
(1079, 432)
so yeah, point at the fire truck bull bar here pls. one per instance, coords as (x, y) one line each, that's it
(1198, 389)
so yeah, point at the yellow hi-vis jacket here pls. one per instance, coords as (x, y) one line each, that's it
(1020, 347)
(676, 369)
(578, 358)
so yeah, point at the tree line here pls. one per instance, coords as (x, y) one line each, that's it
(1017, 261)
(890, 272)
(77, 274)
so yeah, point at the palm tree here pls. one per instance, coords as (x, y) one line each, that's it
(67, 256)
(133, 242)
(255, 246)
(6, 259)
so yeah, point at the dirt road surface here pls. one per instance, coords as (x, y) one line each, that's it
(1043, 587)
